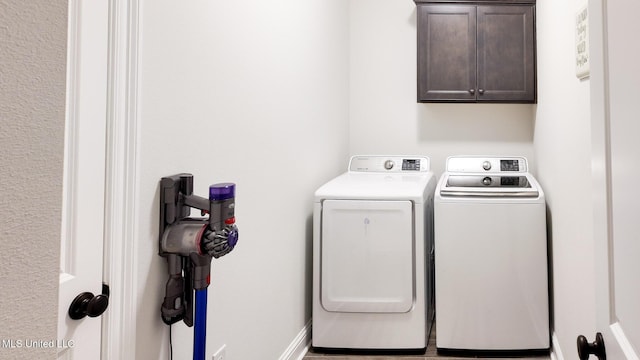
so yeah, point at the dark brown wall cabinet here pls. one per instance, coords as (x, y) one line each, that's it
(482, 51)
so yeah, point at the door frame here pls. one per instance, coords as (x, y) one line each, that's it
(601, 177)
(121, 193)
(82, 206)
(600, 156)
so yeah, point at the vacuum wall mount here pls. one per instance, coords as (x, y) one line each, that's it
(189, 244)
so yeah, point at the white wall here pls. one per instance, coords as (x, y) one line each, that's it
(273, 76)
(33, 38)
(563, 151)
(253, 92)
(385, 118)
(384, 115)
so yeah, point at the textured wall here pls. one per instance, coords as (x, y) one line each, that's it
(33, 38)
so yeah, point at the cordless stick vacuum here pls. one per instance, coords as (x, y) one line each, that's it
(189, 244)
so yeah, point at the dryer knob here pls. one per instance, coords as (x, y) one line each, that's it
(389, 164)
(486, 181)
(486, 165)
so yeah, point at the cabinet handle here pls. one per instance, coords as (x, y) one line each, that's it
(472, 91)
(480, 91)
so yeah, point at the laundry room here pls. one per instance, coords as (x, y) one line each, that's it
(286, 93)
(276, 97)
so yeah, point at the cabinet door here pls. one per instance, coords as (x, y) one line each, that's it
(446, 53)
(506, 54)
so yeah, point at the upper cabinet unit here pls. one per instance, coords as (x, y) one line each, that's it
(476, 51)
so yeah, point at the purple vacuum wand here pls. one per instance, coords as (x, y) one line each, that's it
(221, 235)
(189, 243)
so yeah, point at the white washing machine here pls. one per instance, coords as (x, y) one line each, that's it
(491, 257)
(372, 245)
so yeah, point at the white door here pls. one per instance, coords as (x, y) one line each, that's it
(367, 256)
(84, 176)
(616, 162)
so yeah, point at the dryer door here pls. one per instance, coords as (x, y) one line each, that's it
(367, 253)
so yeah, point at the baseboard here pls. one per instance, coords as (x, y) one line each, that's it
(299, 346)
(556, 351)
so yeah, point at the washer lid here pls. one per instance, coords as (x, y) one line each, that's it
(516, 185)
(483, 181)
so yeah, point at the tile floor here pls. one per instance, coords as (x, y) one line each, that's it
(430, 354)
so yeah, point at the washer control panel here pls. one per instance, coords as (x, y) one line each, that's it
(480, 164)
(381, 163)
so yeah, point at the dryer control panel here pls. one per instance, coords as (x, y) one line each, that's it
(380, 163)
(480, 164)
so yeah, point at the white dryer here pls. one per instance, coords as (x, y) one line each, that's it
(491, 257)
(372, 240)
